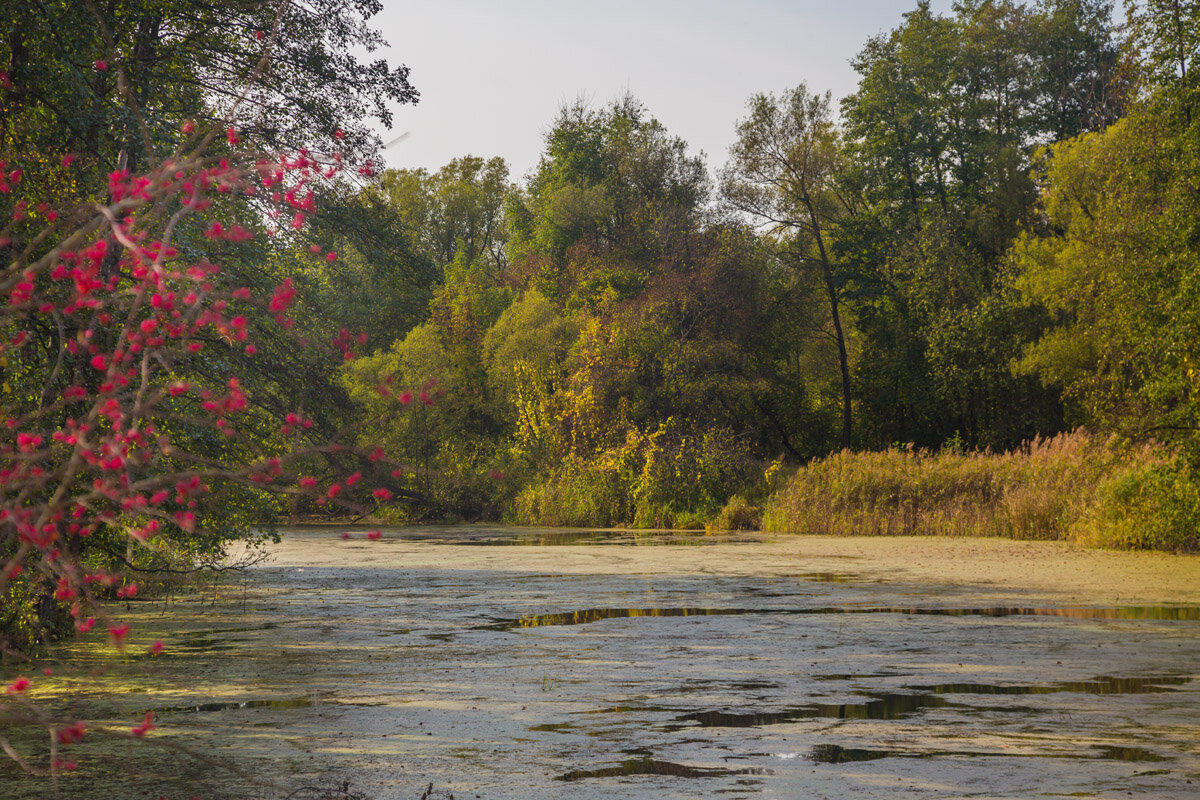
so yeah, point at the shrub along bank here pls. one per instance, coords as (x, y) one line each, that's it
(1068, 488)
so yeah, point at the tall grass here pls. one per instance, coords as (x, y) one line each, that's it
(1070, 487)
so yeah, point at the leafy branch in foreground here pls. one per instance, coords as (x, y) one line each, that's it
(122, 412)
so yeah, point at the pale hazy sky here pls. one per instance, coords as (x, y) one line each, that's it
(493, 73)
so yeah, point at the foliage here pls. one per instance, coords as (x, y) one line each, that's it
(454, 214)
(1067, 488)
(1167, 36)
(603, 210)
(942, 130)
(524, 353)
(659, 479)
(451, 442)
(1117, 268)
(114, 81)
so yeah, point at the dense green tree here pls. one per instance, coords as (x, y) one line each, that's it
(113, 81)
(607, 207)
(1118, 268)
(942, 131)
(783, 171)
(456, 212)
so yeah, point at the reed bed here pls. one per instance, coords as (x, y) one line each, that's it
(1070, 487)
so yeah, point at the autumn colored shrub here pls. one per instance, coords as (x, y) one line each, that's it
(669, 478)
(737, 515)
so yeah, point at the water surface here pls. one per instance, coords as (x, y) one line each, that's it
(612, 664)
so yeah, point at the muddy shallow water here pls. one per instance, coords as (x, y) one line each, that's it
(609, 664)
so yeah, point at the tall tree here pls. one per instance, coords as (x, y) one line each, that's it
(456, 212)
(1084, 82)
(1167, 32)
(783, 170)
(612, 198)
(942, 129)
(106, 79)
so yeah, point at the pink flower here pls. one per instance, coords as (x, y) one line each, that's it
(374, 535)
(146, 726)
(100, 64)
(71, 733)
(18, 686)
(28, 441)
(117, 634)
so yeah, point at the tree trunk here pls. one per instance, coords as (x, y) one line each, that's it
(835, 315)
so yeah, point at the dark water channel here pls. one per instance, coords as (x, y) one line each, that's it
(492, 680)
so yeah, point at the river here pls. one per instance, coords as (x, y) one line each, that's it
(514, 664)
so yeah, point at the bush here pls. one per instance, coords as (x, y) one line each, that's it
(1152, 506)
(736, 515)
(671, 478)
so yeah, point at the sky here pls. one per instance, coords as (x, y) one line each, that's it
(494, 73)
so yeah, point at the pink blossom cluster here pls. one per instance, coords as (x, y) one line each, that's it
(133, 315)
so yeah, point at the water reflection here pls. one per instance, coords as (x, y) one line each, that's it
(588, 615)
(650, 766)
(836, 754)
(890, 706)
(498, 536)
(291, 702)
(881, 707)
(1103, 684)
(1134, 754)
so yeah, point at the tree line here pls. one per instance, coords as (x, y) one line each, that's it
(986, 243)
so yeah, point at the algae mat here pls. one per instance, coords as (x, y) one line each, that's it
(508, 663)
